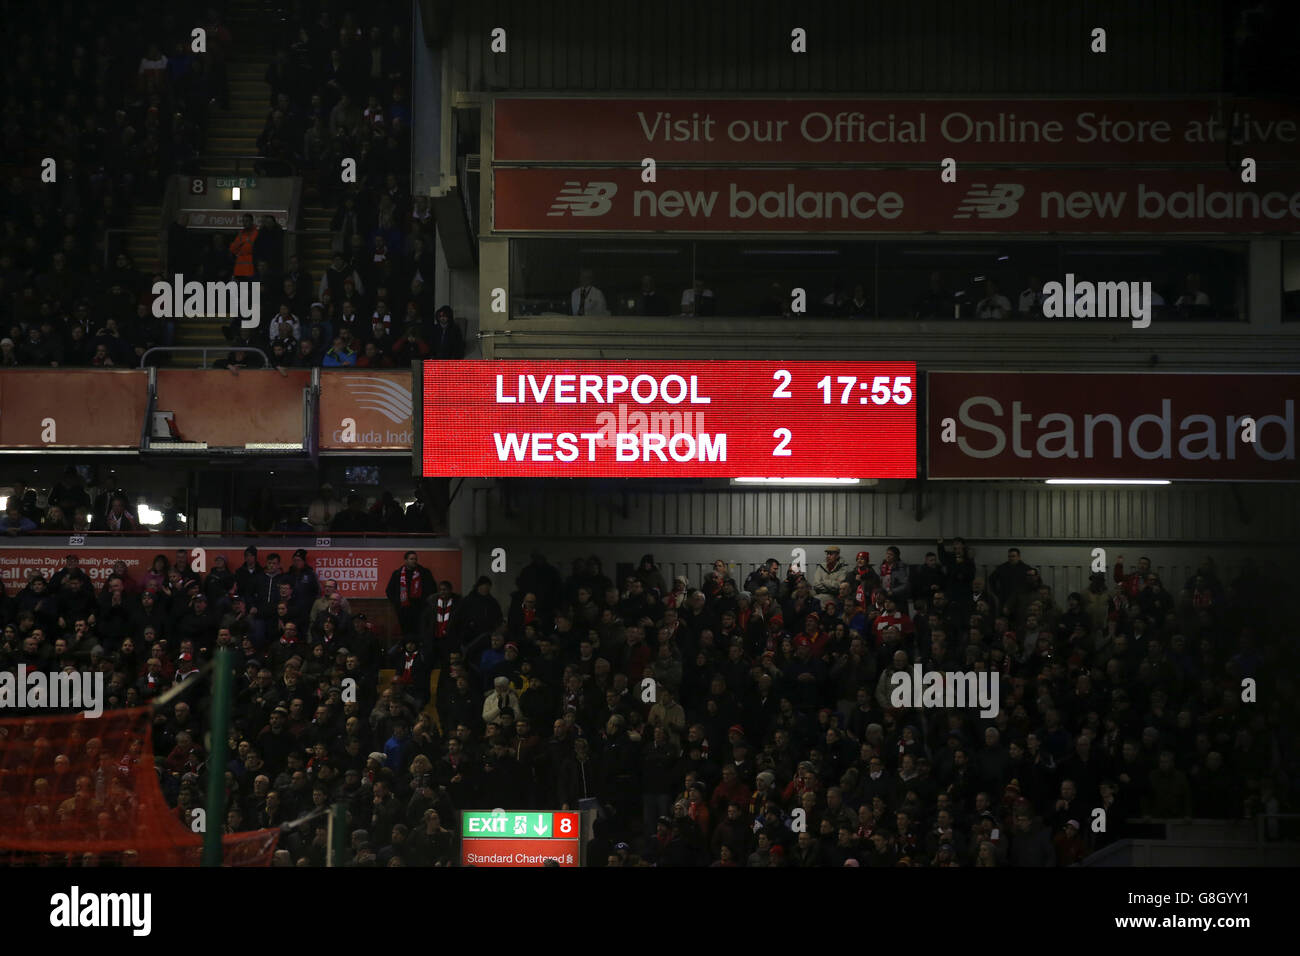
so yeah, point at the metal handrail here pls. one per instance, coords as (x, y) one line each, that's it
(205, 349)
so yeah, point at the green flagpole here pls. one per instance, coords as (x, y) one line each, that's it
(217, 757)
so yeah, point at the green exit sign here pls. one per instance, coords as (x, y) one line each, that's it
(506, 826)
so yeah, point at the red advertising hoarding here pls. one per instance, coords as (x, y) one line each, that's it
(366, 411)
(831, 131)
(893, 201)
(72, 408)
(1041, 425)
(228, 410)
(359, 572)
(598, 419)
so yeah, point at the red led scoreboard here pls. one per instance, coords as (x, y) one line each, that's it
(666, 419)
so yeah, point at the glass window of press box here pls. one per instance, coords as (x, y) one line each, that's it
(965, 280)
(1291, 281)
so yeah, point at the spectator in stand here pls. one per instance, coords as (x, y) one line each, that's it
(828, 575)
(323, 508)
(242, 249)
(340, 355)
(372, 357)
(586, 299)
(1030, 303)
(407, 588)
(858, 306)
(411, 347)
(285, 327)
(447, 341)
(1009, 580)
(14, 522)
(895, 578)
(957, 563)
(118, 519)
(1131, 584)
(353, 519)
(1193, 302)
(698, 299)
(994, 305)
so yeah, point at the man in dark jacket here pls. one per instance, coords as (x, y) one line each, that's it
(306, 586)
(446, 340)
(930, 576)
(578, 777)
(1031, 845)
(250, 579)
(477, 613)
(1010, 578)
(408, 586)
(148, 613)
(541, 578)
(74, 600)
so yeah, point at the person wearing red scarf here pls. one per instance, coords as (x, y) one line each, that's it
(408, 586)
(818, 639)
(864, 578)
(890, 617)
(1131, 583)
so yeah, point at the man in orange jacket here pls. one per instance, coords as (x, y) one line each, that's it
(242, 250)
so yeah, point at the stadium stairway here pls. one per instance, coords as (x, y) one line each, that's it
(232, 133)
(141, 244)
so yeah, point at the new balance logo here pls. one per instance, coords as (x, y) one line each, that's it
(997, 202)
(579, 200)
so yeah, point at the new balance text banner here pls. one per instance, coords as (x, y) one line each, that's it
(893, 201)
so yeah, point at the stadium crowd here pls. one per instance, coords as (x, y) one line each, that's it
(87, 498)
(744, 719)
(117, 116)
(339, 89)
(119, 112)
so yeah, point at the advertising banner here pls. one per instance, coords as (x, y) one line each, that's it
(229, 410)
(893, 201)
(615, 419)
(366, 411)
(832, 131)
(72, 408)
(359, 572)
(1229, 427)
(230, 219)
